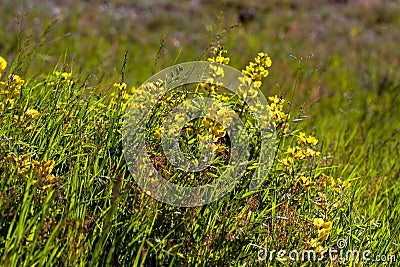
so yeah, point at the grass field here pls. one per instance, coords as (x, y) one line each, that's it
(68, 198)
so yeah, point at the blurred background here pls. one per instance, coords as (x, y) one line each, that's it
(331, 58)
(352, 35)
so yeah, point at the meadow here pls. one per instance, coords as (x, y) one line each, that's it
(69, 69)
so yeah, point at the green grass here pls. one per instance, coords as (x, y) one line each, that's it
(337, 65)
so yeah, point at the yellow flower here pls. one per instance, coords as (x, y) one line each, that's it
(46, 187)
(11, 87)
(217, 131)
(3, 65)
(219, 55)
(172, 133)
(25, 160)
(253, 93)
(299, 154)
(63, 75)
(48, 167)
(32, 113)
(120, 86)
(346, 184)
(207, 122)
(66, 75)
(219, 72)
(318, 222)
(12, 158)
(133, 90)
(276, 111)
(43, 169)
(288, 161)
(65, 78)
(305, 182)
(202, 138)
(327, 225)
(179, 118)
(312, 153)
(223, 98)
(50, 177)
(275, 99)
(30, 128)
(18, 119)
(257, 84)
(263, 59)
(302, 138)
(221, 148)
(312, 140)
(257, 70)
(16, 79)
(323, 234)
(312, 243)
(320, 249)
(324, 228)
(158, 133)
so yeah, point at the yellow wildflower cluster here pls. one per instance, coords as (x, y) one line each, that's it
(216, 130)
(120, 95)
(120, 86)
(323, 229)
(11, 88)
(278, 114)
(62, 78)
(219, 55)
(304, 182)
(302, 153)
(41, 170)
(338, 186)
(213, 132)
(159, 132)
(32, 113)
(66, 76)
(9, 91)
(246, 89)
(44, 169)
(21, 164)
(3, 65)
(327, 203)
(143, 93)
(217, 71)
(303, 139)
(27, 118)
(223, 114)
(209, 142)
(257, 70)
(211, 86)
